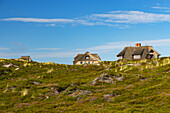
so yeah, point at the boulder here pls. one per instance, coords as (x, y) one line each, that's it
(108, 97)
(119, 78)
(36, 83)
(81, 92)
(7, 65)
(103, 78)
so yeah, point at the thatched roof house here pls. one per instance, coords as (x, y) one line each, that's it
(86, 58)
(138, 52)
(26, 58)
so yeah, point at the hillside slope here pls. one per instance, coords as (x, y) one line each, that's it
(119, 86)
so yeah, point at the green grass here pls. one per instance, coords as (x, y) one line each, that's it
(144, 88)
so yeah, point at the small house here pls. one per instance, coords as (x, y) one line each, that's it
(86, 58)
(26, 58)
(138, 52)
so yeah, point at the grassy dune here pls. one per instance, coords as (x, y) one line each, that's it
(116, 86)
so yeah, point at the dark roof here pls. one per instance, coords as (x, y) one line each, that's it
(82, 57)
(128, 52)
(138, 51)
(25, 57)
(28, 58)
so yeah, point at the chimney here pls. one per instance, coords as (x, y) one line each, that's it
(138, 44)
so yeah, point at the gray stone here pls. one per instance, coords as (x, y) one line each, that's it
(56, 92)
(142, 79)
(7, 65)
(81, 92)
(78, 98)
(103, 78)
(119, 78)
(73, 84)
(108, 97)
(36, 83)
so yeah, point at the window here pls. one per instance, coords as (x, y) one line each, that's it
(93, 62)
(87, 57)
(85, 62)
(137, 56)
(120, 57)
(149, 56)
(151, 51)
(89, 62)
(81, 62)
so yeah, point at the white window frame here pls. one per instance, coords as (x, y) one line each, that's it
(120, 57)
(87, 57)
(137, 56)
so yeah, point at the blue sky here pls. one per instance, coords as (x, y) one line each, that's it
(57, 30)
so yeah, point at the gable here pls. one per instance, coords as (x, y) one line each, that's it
(86, 57)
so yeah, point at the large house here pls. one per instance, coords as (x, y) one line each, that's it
(86, 58)
(138, 52)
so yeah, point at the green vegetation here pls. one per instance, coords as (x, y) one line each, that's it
(117, 86)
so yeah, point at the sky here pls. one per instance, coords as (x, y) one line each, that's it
(58, 30)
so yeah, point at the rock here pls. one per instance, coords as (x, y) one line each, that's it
(107, 68)
(56, 92)
(119, 78)
(92, 82)
(17, 69)
(85, 92)
(92, 99)
(12, 87)
(108, 97)
(73, 70)
(78, 98)
(81, 92)
(54, 88)
(36, 83)
(102, 75)
(73, 84)
(7, 65)
(102, 78)
(137, 64)
(156, 62)
(142, 79)
(47, 97)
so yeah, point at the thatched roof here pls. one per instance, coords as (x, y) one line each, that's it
(28, 58)
(83, 57)
(128, 52)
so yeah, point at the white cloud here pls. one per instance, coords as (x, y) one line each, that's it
(53, 54)
(52, 25)
(157, 4)
(16, 43)
(130, 17)
(39, 54)
(4, 48)
(52, 21)
(156, 7)
(119, 45)
(46, 49)
(113, 18)
(40, 20)
(18, 47)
